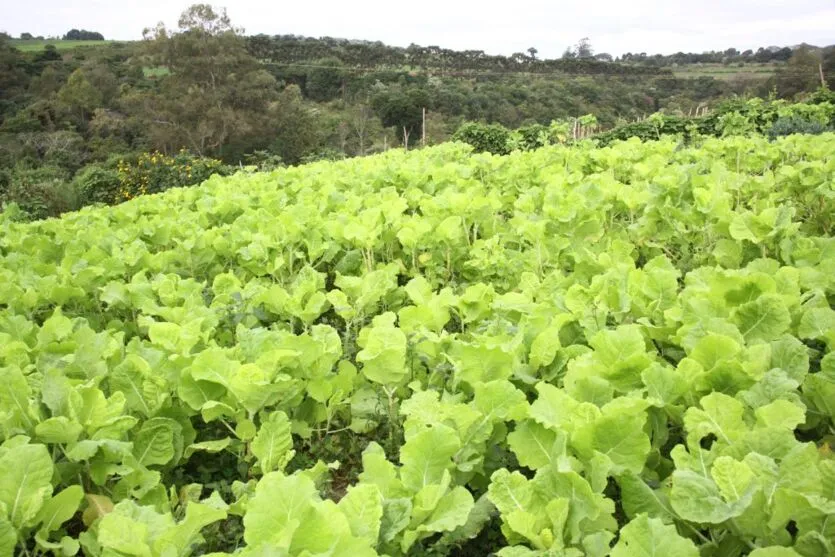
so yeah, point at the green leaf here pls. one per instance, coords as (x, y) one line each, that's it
(25, 483)
(156, 441)
(544, 347)
(618, 345)
(714, 348)
(8, 538)
(763, 319)
(583, 503)
(396, 515)
(450, 512)
(791, 356)
(280, 505)
(553, 408)
(509, 491)
(426, 456)
(697, 499)
(637, 497)
(59, 430)
(213, 446)
(536, 446)
(363, 507)
(780, 414)
(664, 384)
(124, 535)
(481, 361)
(55, 329)
(59, 509)
(144, 393)
(649, 537)
(720, 415)
(179, 539)
(620, 438)
(732, 477)
(383, 353)
(378, 470)
(817, 323)
(69, 546)
(14, 399)
(499, 400)
(178, 339)
(480, 515)
(273, 445)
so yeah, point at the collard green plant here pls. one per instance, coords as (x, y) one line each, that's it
(576, 351)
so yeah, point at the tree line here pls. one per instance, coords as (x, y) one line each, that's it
(71, 35)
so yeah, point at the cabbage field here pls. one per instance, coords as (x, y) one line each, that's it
(573, 351)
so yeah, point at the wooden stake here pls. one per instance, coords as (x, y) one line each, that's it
(423, 129)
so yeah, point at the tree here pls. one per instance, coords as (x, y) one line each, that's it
(361, 119)
(402, 109)
(603, 57)
(584, 48)
(14, 78)
(325, 80)
(216, 92)
(532, 52)
(82, 35)
(80, 96)
(294, 126)
(800, 74)
(26, 36)
(828, 67)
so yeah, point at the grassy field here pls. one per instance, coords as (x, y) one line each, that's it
(721, 71)
(35, 45)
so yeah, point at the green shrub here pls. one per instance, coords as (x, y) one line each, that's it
(40, 192)
(532, 137)
(263, 160)
(489, 138)
(324, 154)
(156, 172)
(795, 124)
(97, 184)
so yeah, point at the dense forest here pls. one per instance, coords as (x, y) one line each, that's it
(103, 123)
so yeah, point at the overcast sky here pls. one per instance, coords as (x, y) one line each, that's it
(614, 26)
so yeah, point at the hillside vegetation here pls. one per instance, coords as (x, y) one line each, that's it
(80, 125)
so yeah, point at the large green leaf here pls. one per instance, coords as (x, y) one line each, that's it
(383, 353)
(59, 509)
(363, 507)
(25, 483)
(648, 537)
(158, 441)
(763, 319)
(281, 504)
(273, 444)
(427, 456)
(14, 397)
(536, 446)
(8, 538)
(698, 499)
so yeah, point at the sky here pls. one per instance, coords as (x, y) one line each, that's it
(613, 26)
